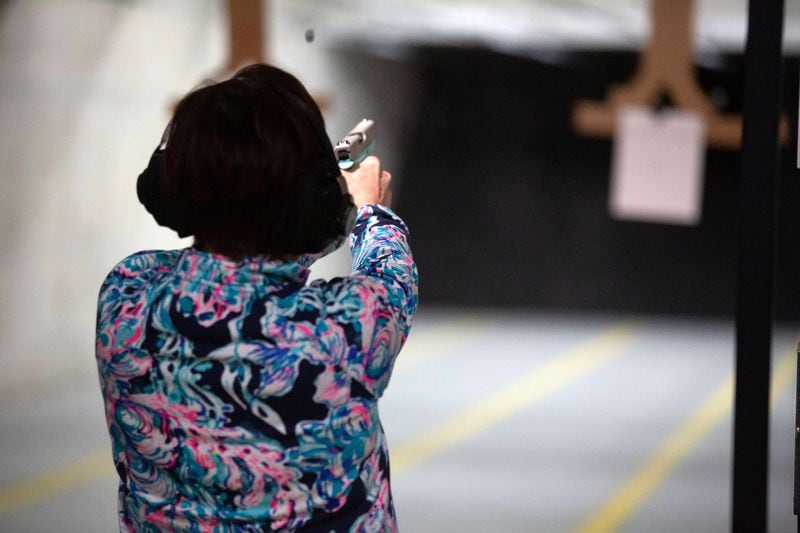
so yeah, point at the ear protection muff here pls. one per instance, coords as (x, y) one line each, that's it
(324, 214)
(150, 190)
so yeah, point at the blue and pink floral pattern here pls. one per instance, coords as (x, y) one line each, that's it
(239, 397)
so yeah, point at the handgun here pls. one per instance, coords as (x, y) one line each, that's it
(356, 145)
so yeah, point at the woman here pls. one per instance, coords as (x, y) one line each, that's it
(239, 397)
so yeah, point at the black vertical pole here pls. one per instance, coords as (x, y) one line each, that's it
(797, 444)
(757, 226)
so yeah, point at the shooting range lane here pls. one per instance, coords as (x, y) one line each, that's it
(651, 424)
(496, 421)
(535, 385)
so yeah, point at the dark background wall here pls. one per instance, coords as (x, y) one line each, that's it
(509, 207)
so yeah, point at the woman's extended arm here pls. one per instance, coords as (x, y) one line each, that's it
(384, 277)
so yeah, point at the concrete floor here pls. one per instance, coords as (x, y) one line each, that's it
(496, 422)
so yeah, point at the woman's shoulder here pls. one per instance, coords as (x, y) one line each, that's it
(148, 260)
(142, 266)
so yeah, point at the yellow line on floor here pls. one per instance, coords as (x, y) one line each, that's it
(82, 471)
(677, 446)
(782, 375)
(521, 394)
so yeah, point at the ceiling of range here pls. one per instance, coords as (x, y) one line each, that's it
(519, 25)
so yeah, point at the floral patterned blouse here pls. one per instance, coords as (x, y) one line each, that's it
(240, 398)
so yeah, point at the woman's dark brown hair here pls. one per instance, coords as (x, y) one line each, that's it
(236, 156)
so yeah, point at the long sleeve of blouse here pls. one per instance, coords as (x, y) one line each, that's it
(384, 280)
